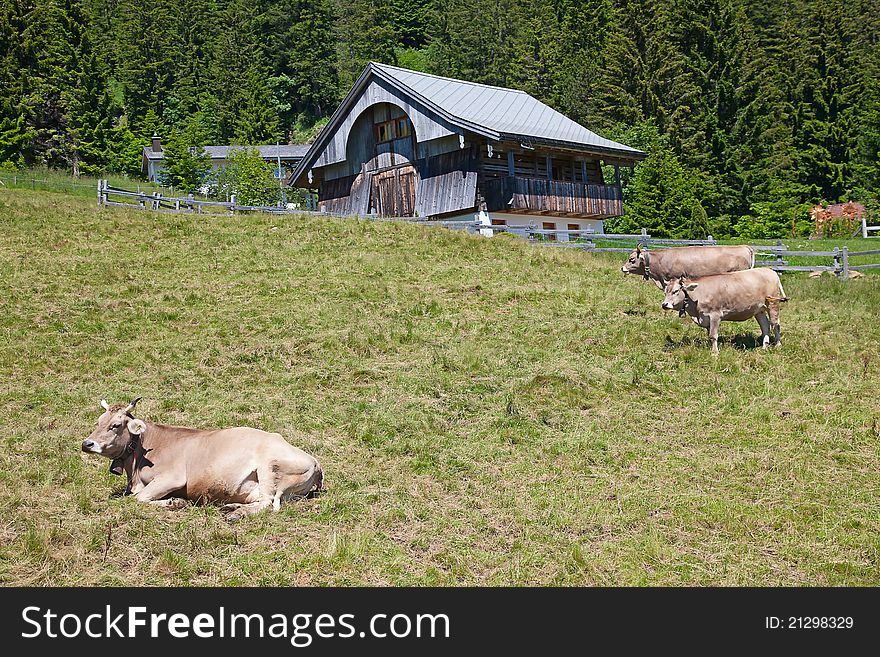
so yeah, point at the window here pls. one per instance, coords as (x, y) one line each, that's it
(574, 226)
(385, 131)
(499, 222)
(394, 129)
(550, 225)
(403, 127)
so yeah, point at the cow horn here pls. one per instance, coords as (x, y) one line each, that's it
(132, 404)
(105, 405)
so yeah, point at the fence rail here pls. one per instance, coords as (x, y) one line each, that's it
(590, 237)
(868, 229)
(585, 240)
(775, 256)
(156, 201)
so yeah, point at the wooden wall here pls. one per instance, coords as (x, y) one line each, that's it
(427, 126)
(447, 183)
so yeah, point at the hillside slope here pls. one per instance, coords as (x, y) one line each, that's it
(486, 412)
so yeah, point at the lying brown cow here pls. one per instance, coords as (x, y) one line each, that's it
(663, 265)
(245, 469)
(736, 296)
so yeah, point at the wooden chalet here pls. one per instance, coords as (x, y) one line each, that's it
(409, 144)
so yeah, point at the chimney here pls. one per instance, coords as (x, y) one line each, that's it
(157, 147)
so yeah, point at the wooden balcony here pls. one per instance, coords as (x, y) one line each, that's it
(537, 196)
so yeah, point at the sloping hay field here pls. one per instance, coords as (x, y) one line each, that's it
(487, 412)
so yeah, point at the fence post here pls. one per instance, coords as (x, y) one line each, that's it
(846, 263)
(836, 253)
(864, 226)
(232, 207)
(779, 260)
(711, 240)
(99, 191)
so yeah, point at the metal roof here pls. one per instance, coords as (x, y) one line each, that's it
(267, 152)
(509, 113)
(493, 112)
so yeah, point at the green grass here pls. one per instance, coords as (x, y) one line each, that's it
(62, 182)
(487, 412)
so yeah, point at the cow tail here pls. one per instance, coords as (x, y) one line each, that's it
(781, 296)
(752, 252)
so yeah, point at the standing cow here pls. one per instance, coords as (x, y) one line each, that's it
(663, 265)
(246, 470)
(735, 296)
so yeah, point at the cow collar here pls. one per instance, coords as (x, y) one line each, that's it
(117, 465)
(687, 299)
(647, 273)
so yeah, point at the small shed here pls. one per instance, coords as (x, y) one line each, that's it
(408, 144)
(285, 157)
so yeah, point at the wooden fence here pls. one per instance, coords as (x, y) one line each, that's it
(586, 239)
(775, 257)
(114, 196)
(868, 229)
(840, 259)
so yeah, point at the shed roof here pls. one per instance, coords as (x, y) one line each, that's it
(267, 152)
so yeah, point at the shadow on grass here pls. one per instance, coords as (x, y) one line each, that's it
(740, 341)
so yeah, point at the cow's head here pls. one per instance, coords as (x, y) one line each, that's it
(116, 428)
(678, 292)
(635, 264)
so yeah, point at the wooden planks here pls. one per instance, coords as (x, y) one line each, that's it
(447, 183)
(535, 195)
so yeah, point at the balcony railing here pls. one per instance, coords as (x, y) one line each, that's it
(528, 195)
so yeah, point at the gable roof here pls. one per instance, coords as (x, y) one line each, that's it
(499, 111)
(493, 112)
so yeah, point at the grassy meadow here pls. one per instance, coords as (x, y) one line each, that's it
(486, 412)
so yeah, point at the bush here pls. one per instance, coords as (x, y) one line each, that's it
(249, 178)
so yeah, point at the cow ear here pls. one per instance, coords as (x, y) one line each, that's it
(136, 427)
(105, 405)
(690, 287)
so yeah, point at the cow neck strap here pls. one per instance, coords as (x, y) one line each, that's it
(117, 465)
(647, 266)
(687, 297)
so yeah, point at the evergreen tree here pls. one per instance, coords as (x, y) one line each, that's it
(15, 130)
(257, 121)
(145, 47)
(186, 165)
(364, 33)
(301, 49)
(126, 151)
(474, 40)
(698, 226)
(90, 116)
(411, 21)
(660, 196)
